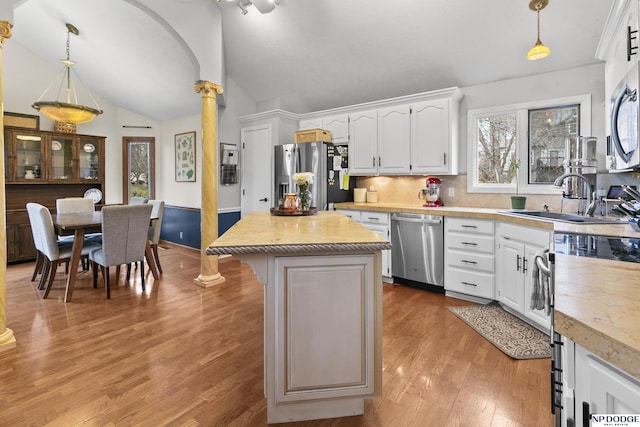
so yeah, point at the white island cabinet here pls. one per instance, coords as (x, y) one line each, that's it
(323, 310)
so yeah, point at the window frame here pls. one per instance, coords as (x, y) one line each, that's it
(521, 110)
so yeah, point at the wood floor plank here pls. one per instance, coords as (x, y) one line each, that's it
(181, 355)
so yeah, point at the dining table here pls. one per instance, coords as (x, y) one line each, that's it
(78, 224)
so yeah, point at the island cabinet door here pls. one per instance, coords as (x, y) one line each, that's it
(328, 321)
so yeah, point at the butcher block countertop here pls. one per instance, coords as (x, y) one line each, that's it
(597, 301)
(598, 306)
(261, 232)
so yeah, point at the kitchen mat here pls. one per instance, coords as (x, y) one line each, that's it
(511, 335)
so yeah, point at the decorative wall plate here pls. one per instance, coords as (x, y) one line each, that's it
(94, 194)
(55, 145)
(89, 148)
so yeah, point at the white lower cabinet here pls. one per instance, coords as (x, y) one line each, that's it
(469, 256)
(518, 247)
(379, 223)
(601, 388)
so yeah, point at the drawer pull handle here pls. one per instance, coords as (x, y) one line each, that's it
(469, 226)
(469, 284)
(468, 262)
(373, 218)
(469, 243)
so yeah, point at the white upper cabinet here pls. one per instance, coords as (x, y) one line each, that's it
(618, 47)
(431, 144)
(363, 143)
(306, 124)
(394, 140)
(339, 127)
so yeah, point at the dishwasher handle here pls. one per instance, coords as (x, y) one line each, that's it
(415, 218)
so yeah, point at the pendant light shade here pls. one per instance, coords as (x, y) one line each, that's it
(66, 111)
(539, 50)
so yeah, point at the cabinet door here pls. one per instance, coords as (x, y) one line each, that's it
(326, 337)
(538, 316)
(29, 158)
(363, 144)
(90, 151)
(62, 159)
(605, 389)
(315, 123)
(11, 242)
(25, 248)
(386, 254)
(510, 289)
(339, 127)
(394, 140)
(430, 137)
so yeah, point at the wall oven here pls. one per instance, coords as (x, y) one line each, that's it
(623, 143)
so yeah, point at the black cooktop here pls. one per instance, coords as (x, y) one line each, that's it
(605, 247)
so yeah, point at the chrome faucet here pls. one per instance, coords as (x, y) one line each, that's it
(591, 203)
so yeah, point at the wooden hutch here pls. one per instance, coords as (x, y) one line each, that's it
(41, 167)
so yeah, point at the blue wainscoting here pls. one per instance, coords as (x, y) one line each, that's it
(182, 225)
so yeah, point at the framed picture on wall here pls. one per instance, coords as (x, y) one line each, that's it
(186, 157)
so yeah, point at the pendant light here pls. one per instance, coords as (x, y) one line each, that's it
(67, 112)
(539, 50)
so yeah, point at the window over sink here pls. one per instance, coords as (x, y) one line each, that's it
(534, 133)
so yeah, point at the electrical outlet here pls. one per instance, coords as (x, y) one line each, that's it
(452, 192)
(181, 235)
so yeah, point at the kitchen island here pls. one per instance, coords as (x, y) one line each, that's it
(322, 310)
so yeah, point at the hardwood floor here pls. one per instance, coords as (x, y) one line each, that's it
(180, 355)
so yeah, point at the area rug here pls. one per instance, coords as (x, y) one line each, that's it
(504, 330)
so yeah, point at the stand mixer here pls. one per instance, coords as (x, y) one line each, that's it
(431, 194)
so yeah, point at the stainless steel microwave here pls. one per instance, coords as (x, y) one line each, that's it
(624, 123)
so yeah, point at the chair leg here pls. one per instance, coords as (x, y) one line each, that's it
(52, 276)
(154, 249)
(38, 267)
(94, 267)
(128, 271)
(46, 269)
(106, 281)
(117, 273)
(142, 274)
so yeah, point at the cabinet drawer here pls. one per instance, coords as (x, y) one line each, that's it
(478, 284)
(354, 215)
(375, 217)
(470, 225)
(470, 261)
(470, 242)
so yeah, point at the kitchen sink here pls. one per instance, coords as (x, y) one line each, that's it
(564, 217)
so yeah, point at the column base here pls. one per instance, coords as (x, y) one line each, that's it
(208, 281)
(7, 340)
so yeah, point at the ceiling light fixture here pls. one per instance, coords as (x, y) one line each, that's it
(538, 51)
(263, 6)
(67, 112)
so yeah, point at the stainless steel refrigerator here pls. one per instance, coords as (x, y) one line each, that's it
(328, 162)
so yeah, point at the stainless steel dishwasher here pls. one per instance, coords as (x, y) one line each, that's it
(417, 257)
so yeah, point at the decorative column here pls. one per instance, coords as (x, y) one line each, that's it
(209, 274)
(7, 339)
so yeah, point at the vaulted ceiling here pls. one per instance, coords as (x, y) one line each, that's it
(310, 55)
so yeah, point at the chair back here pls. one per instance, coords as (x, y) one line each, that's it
(44, 234)
(138, 201)
(74, 205)
(156, 224)
(124, 233)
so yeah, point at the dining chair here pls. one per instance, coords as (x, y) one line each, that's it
(46, 241)
(154, 229)
(138, 200)
(124, 239)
